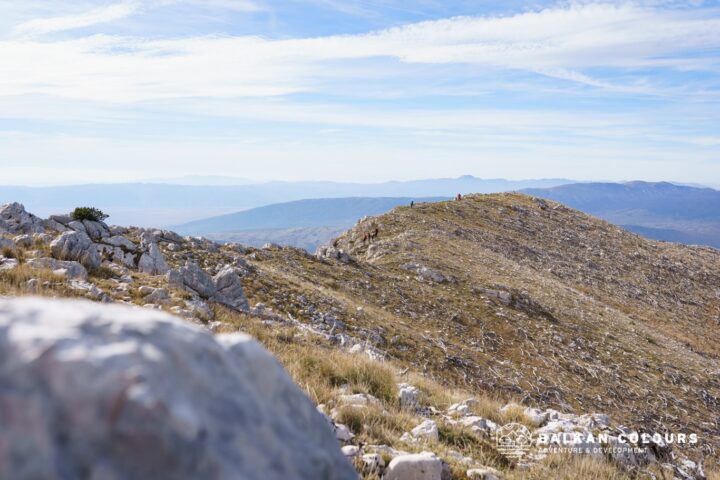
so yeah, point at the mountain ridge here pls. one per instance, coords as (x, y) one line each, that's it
(662, 210)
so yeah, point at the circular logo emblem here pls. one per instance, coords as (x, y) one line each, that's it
(513, 440)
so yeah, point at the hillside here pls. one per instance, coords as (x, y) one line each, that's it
(304, 223)
(321, 212)
(307, 238)
(661, 211)
(504, 297)
(543, 301)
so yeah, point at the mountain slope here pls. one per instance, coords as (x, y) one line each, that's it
(304, 223)
(662, 211)
(322, 212)
(535, 299)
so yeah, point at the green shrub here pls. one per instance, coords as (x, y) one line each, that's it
(88, 213)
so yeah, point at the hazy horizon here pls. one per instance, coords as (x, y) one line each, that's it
(205, 181)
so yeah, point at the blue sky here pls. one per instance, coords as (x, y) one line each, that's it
(362, 90)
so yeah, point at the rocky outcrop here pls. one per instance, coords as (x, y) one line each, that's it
(229, 289)
(192, 277)
(225, 288)
(97, 231)
(93, 391)
(14, 219)
(76, 246)
(153, 261)
(331, 253)
(67, 268)
(120, 242)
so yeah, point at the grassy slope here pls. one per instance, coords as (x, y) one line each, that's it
(636, 334)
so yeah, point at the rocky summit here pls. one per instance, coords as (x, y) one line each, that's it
(429, 339)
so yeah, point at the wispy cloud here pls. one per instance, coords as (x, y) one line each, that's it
(97, 16)
(558, 42)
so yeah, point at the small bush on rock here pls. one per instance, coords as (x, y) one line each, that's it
(88, 213)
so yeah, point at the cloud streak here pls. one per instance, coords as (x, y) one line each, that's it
(559, 42)
(61, 23)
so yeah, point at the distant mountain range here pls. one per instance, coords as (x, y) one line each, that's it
(662, 211)
(303, 223)
(280, 212)
(163, 204)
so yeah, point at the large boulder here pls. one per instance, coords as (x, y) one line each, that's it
(14, 219)
(153, 261)
(120, 242)
(229, 289)
(194, 278)
(96, 230)
(167, 236)
(100, 391)
(76, 246)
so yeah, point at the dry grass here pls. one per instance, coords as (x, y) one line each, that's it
(569, 467)
(611, 349)
(320, 369)
(14, 282)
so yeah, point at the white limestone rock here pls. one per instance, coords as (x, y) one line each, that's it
(97, 231)
(153, 261)
(24, 241)
(408, 396)
(121, 242)
(8, 263)
(373, 463)
(343, 433)
(114, 392)
(14, 219)
(426, 431)
(332, 253)
(418, 466)
(192, 277)
(76, 246)
(71, 269)
(229, 290)
(462, 408)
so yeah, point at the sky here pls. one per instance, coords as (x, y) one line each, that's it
(359, 90)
